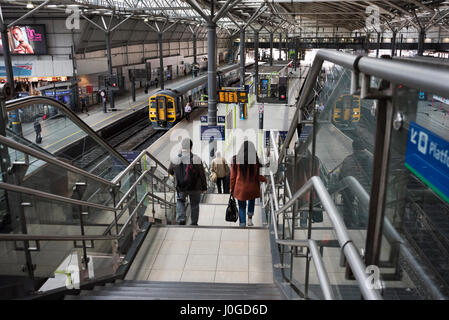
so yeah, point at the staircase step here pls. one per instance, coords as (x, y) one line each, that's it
(177, 295)
(191, 290)
(199, 286)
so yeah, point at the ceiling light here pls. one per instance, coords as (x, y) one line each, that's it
(146, 19)
(30, 5)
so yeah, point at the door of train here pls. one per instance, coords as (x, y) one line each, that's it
(161, 104)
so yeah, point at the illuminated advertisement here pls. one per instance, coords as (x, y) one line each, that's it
(26, 39)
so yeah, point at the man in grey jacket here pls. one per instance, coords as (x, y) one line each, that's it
(190, 181)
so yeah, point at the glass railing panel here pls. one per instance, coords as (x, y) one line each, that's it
(417, 205)
(64, 138)
(344, 131)
(12, 259)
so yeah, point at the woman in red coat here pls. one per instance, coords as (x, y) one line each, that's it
(245, 180)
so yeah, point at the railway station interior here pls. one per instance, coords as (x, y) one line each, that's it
(346, 105)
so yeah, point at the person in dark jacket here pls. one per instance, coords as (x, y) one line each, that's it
(245, 180)
(199, 183)
(38, 130)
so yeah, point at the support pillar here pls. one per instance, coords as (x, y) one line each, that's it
(161, 60)
(194, 48)
(378, 44)
(400, 48)
(109, 55)
(242, 57)
(271, 49)
(295, 57)
(14, 115)
(256, 65)
(393, 44)
(212, 73)
(421, 40)
(280, 46)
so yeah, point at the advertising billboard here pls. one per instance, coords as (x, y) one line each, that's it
(26, 39)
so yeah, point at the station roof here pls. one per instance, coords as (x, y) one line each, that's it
(139, 21)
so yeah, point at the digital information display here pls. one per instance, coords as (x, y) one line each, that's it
(232, 96)
(26, 39)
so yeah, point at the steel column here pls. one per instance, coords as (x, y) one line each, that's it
(393, 44)
(109, 55)
(280, 46)
(194, 48)
(378, 44)
(16, 125)
(212, 73)
(271, 49)
(384, 126)
(161, 60)
(242, 57)
(256, 65)
(421, 40)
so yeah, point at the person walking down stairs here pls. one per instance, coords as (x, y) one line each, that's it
(190, 181)
(221, 169)
(245, 180)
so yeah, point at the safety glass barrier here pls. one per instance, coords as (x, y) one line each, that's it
(417, 205)
(50, 126)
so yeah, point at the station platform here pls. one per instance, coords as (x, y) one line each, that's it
(59, 132)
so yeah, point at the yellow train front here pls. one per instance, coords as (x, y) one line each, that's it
(164, 110)
(346, 111)
(166, 107)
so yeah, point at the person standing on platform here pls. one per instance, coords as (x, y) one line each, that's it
(156, 81)
(220, 168)
(190, 181)
(188, 110)
(38, 130)
(245, 180)
(84, 105)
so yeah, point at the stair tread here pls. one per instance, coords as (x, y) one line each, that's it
(162, 295)
(207, 284)
(188, 290)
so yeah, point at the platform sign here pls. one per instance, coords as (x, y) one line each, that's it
(220, 119)
(267, 138)
(283, 134)
(130, 155)
(305, 132)
(215, 132)
(427, 157)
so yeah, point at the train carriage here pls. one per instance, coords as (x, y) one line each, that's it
(346, 111)
(166, 107)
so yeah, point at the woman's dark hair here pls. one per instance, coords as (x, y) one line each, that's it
(247, 159)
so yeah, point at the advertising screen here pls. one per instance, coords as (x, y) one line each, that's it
(26, 39)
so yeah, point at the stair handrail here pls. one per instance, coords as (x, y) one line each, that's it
(414, 74)
(391, 235)
(348, 248)
(15, 104)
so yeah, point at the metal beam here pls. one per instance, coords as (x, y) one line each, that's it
(197, 8)
(224, 9)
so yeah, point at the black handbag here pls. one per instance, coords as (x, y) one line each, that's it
(231, 210)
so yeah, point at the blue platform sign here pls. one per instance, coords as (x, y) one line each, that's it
(427, 157)
(130, 155)
(215, 132)
(203, 119)
(221, 119)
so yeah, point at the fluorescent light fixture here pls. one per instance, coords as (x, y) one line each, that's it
(30, 5)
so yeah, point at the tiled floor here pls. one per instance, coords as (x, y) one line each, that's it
(204, 255)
